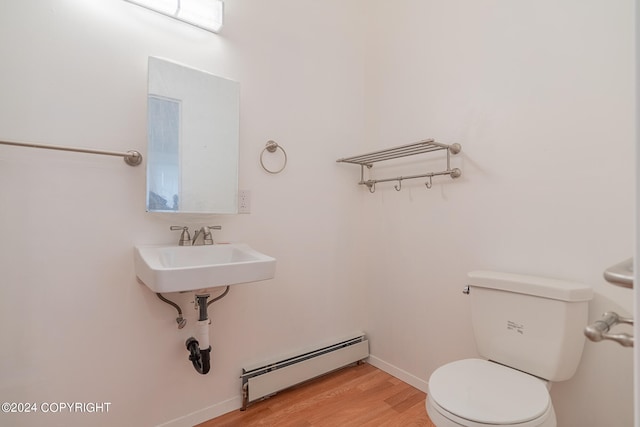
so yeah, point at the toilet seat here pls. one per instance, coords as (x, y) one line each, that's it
(477, 392)
(440, 417)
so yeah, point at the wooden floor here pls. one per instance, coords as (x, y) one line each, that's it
(356, 396)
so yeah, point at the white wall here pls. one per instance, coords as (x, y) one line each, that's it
(76, 325)
(540, 95)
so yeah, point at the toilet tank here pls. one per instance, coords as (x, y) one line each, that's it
(529, 323)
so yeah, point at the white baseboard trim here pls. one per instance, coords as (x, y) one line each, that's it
(205, 414)
(405, 376)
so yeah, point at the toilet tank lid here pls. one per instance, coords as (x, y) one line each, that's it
(531, 285)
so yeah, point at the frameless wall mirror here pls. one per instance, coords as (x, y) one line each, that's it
(193, 132)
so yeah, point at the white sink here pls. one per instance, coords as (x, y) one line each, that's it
(186, 268)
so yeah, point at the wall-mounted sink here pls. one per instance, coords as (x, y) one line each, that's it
(187, 268)
(620, 274)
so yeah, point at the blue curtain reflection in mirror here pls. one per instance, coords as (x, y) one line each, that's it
(163, 175)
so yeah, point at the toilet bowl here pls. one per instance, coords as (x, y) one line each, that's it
(529, 331)
(475, 393)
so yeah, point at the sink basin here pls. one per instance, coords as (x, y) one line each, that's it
(621, 274)
(188, 268)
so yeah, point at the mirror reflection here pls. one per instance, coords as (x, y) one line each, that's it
(193, 134)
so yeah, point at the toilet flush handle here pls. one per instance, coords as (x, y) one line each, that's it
(466, 290)
(599, 330)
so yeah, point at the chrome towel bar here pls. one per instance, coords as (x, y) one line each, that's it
(131, 157)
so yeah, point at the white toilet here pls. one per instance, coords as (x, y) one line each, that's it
(531, 331)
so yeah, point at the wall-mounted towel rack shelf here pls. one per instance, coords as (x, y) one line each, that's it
(421, 147)
(131, 157)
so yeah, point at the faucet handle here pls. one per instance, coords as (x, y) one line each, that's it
(185, 237)
(208, 238)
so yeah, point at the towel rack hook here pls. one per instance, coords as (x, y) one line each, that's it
(372, 186)
(429, 183)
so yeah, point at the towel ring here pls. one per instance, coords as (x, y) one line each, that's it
(271, 147)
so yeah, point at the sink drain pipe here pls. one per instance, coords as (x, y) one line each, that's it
(199, 348)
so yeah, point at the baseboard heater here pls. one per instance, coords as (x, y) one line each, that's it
(270, 378)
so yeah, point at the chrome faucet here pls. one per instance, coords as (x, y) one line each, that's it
(207, 238)
(185, 237)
